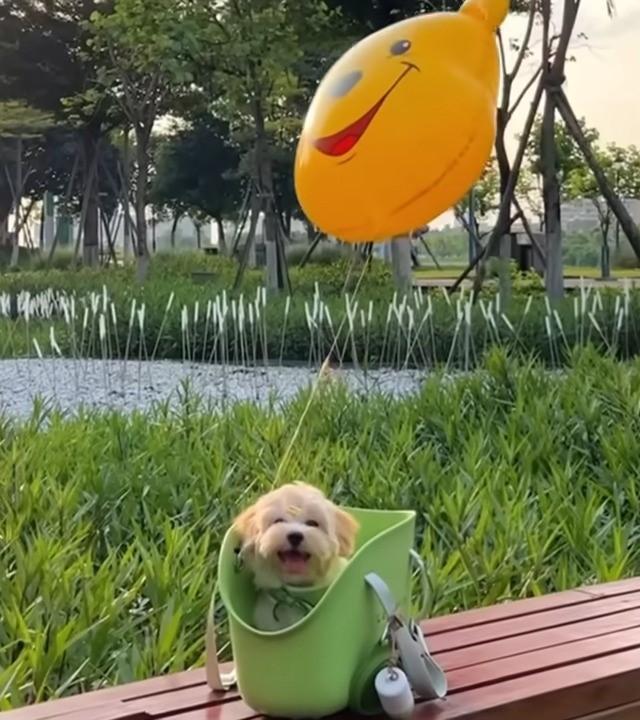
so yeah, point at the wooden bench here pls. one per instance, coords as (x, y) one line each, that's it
(566, 656)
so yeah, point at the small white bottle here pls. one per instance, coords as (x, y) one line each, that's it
(395, 694)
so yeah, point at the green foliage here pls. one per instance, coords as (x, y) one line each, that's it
(196, 171)
(369, 327)
(146, 48)
(621, 167)
(569, 157)
(18, 120)
(525, 482)
(485, 192)
(257, 44)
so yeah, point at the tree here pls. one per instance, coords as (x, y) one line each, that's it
(479, 203)
(622, 169)
(568, 157)
(196, 171)
(19, 123)
(550, 86)
(366, 17)
(56, 30)
(258, 45)
(144, 50)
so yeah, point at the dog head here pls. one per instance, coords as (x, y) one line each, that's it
(294, 536)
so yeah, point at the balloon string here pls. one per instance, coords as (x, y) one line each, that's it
(314, 390)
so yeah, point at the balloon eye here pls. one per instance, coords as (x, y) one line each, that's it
(400, 47)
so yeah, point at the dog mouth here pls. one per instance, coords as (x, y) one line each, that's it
(294, 562)
(345, 140)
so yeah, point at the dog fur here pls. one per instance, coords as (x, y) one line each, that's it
(294, 537)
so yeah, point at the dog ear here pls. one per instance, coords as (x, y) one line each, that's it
(245, 525)
(347, 530)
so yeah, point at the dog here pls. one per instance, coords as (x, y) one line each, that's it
(292, 539)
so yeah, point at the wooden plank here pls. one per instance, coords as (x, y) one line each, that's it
(106, 712)
(503, 611)
(621, 587)
(234, 711)
(560, 694)
(511, 627)
(191, 698)
(536, 661)
(97, 698)
(528, 606)
(621, 712)
(522, 644)
(481, 649)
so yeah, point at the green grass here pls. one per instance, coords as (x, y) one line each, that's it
(570, 271)
(524, 482)
(183, 321)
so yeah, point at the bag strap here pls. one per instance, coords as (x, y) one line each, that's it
(424, 582)
(217, 681)
(425, 675)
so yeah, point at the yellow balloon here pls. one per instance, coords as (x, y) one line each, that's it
(402, 125)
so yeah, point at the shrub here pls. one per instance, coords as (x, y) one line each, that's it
(110, 524)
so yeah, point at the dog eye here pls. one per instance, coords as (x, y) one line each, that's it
(279, 520)
(312, 524)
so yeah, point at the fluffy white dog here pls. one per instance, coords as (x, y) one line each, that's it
(293, 540)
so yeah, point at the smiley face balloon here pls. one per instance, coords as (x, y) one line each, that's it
(402, 125)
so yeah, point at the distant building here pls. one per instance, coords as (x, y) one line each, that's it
(582, 216)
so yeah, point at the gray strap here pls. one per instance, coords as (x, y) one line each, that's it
(217, 681)
(425, 675)
(424, 583)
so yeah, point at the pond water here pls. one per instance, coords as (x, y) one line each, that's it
(72, 384)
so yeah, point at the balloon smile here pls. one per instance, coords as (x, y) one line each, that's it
(342, 142)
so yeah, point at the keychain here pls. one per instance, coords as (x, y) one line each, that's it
(392, 685)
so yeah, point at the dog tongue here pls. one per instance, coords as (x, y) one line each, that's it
(294, 563)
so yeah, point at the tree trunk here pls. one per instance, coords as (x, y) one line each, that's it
(4, 231)
(554, 77)
(142, 248)
(48, 227)
(401, 263)
(15, 249)
(275, 255)
(198, 227)
(554, 276)
(127, 190)
(311, 230)
(502, 157)
(91, 230)
(222, 241)
(503, 220)
(174, 227)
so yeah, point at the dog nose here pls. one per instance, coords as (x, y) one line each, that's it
(343, 85)
(295, 539)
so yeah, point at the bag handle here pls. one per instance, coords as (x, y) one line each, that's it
(424, 582)
(425, 676)
(217, 680)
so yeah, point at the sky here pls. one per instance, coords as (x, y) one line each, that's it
(603, 81)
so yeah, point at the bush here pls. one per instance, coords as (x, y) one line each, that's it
(110, 525)
(325, 254)
(624, 258)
